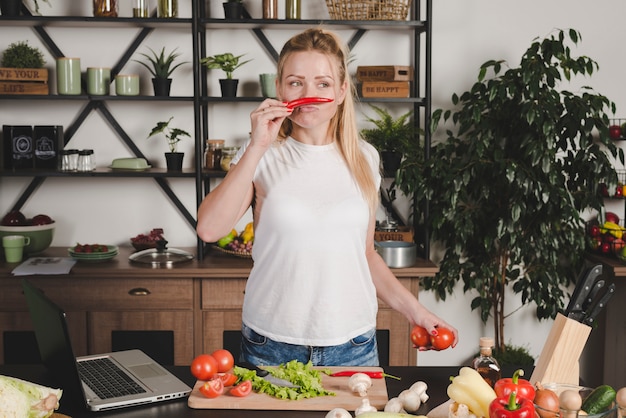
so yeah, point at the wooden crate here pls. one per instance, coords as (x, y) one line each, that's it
(385, 89)
(384, 73)
(403, 233)
(24, 81)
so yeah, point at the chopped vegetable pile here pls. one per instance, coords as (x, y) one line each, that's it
(307, 380)
(19, 398)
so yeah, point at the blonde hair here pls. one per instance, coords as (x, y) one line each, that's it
(343, 125)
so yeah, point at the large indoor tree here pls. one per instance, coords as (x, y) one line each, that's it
(508, 189)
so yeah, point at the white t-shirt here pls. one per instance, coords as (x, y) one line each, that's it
(310, 283)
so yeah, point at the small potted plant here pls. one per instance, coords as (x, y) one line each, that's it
(161, 66)
(233, 9)
(228, 63)
(32, 78)
(174, 159)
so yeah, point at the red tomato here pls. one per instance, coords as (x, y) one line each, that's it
(228, 379)
(204, 367)
(242, 389)
(213, 388)
(419, 336)
(225, 360)
(443, 339)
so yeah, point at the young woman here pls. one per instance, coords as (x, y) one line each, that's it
(313, 186)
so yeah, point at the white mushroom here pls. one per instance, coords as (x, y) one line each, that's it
(365, 407)
(338, 413)
(410, 400)
(360, 383)
(420, 387)
(394, 405)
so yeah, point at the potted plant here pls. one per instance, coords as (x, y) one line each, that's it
(173, 158)
(233, 9)
(11, 8)
(161, 66)
(508, 189)
(228, 63)
(32, 77)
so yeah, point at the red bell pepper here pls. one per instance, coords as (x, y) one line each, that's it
(509, 407)
(523, 388)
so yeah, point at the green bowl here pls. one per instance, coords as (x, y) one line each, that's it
(40, 236)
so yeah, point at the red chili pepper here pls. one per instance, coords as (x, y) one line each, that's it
(307, 100)
(508, 407)
(373, 375)
(523, 388)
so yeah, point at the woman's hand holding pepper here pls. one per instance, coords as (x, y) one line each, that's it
(266, 121)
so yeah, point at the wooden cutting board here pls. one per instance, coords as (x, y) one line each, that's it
(344, 397)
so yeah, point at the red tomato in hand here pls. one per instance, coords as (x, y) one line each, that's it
(419, 336)
(228, 379)
(204, 367)
(213, 388)
(242, 389)
(443, 339)
(225, 360)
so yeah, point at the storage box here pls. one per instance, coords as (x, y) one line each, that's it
(385, 89)
(17, 147)
(403, 233)
(24, 81)
(47, 145)
(384, 73)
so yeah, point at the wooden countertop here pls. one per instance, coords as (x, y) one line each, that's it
(213, 265)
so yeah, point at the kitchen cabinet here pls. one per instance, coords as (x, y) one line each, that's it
(197, 303)
(200, 28)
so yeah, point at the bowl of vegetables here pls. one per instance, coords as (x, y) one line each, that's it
(40, 230)
(554, 400)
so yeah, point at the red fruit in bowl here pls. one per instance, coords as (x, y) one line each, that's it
(14, 218)
(615, 132)
(612, 217)
(41, 220)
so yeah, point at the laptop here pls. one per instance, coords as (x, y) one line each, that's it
(140, 379)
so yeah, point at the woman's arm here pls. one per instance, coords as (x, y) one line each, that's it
(398, 297)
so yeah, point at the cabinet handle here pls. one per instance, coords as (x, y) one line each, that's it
(139, 291)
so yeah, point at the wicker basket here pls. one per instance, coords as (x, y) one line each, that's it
(368, 9)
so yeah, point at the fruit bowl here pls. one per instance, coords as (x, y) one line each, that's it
(559, 388)
(40, 236)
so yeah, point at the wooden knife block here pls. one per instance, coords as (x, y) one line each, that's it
(559, 359)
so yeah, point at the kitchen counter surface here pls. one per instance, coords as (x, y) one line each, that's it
(437, 379)
(213, 265)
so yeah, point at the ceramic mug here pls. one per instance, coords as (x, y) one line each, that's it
(268, 85)
(68, 76)
(127, 85)
(98, 81)
(14, 247)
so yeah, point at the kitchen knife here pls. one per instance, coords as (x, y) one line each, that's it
(592, 294)
(266, 375)
(594, 310)
(583, 287)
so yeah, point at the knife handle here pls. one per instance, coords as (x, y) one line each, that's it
(247, 365)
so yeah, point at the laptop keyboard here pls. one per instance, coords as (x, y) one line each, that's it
(106, 379)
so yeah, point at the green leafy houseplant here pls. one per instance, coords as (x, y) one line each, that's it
(22, 55)
(226, 62)
(507, 190)
(173, 135)
(161, 65)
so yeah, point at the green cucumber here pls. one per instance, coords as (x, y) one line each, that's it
(599, 400)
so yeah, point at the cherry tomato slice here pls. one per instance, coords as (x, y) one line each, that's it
(443, 339)
(420, 337)
(242, 389)
(228, 379)
(213, 388)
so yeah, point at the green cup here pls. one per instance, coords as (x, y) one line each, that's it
(127, 85)
(98, 81)
(268, 85)
(68, 76)
(14, 247)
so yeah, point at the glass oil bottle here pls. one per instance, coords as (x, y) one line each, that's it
(485, 364)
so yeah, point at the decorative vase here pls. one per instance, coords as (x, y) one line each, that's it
(233, 10)
(162, 86)
(391, 162)
(167, 8)
(229, 87)
(10, 8)
(174, 161)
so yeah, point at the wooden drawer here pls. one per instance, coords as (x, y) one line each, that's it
(88, 294)
(223, 293)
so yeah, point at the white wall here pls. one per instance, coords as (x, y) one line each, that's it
(466, 34)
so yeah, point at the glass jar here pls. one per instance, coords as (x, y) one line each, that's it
(69, 159)
(105, 8)
(292, 9)
(167, 8)
(86, 160)
(213, 154)
(140, 8)
(227, 156)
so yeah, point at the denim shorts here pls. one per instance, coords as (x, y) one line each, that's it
(260, 350)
